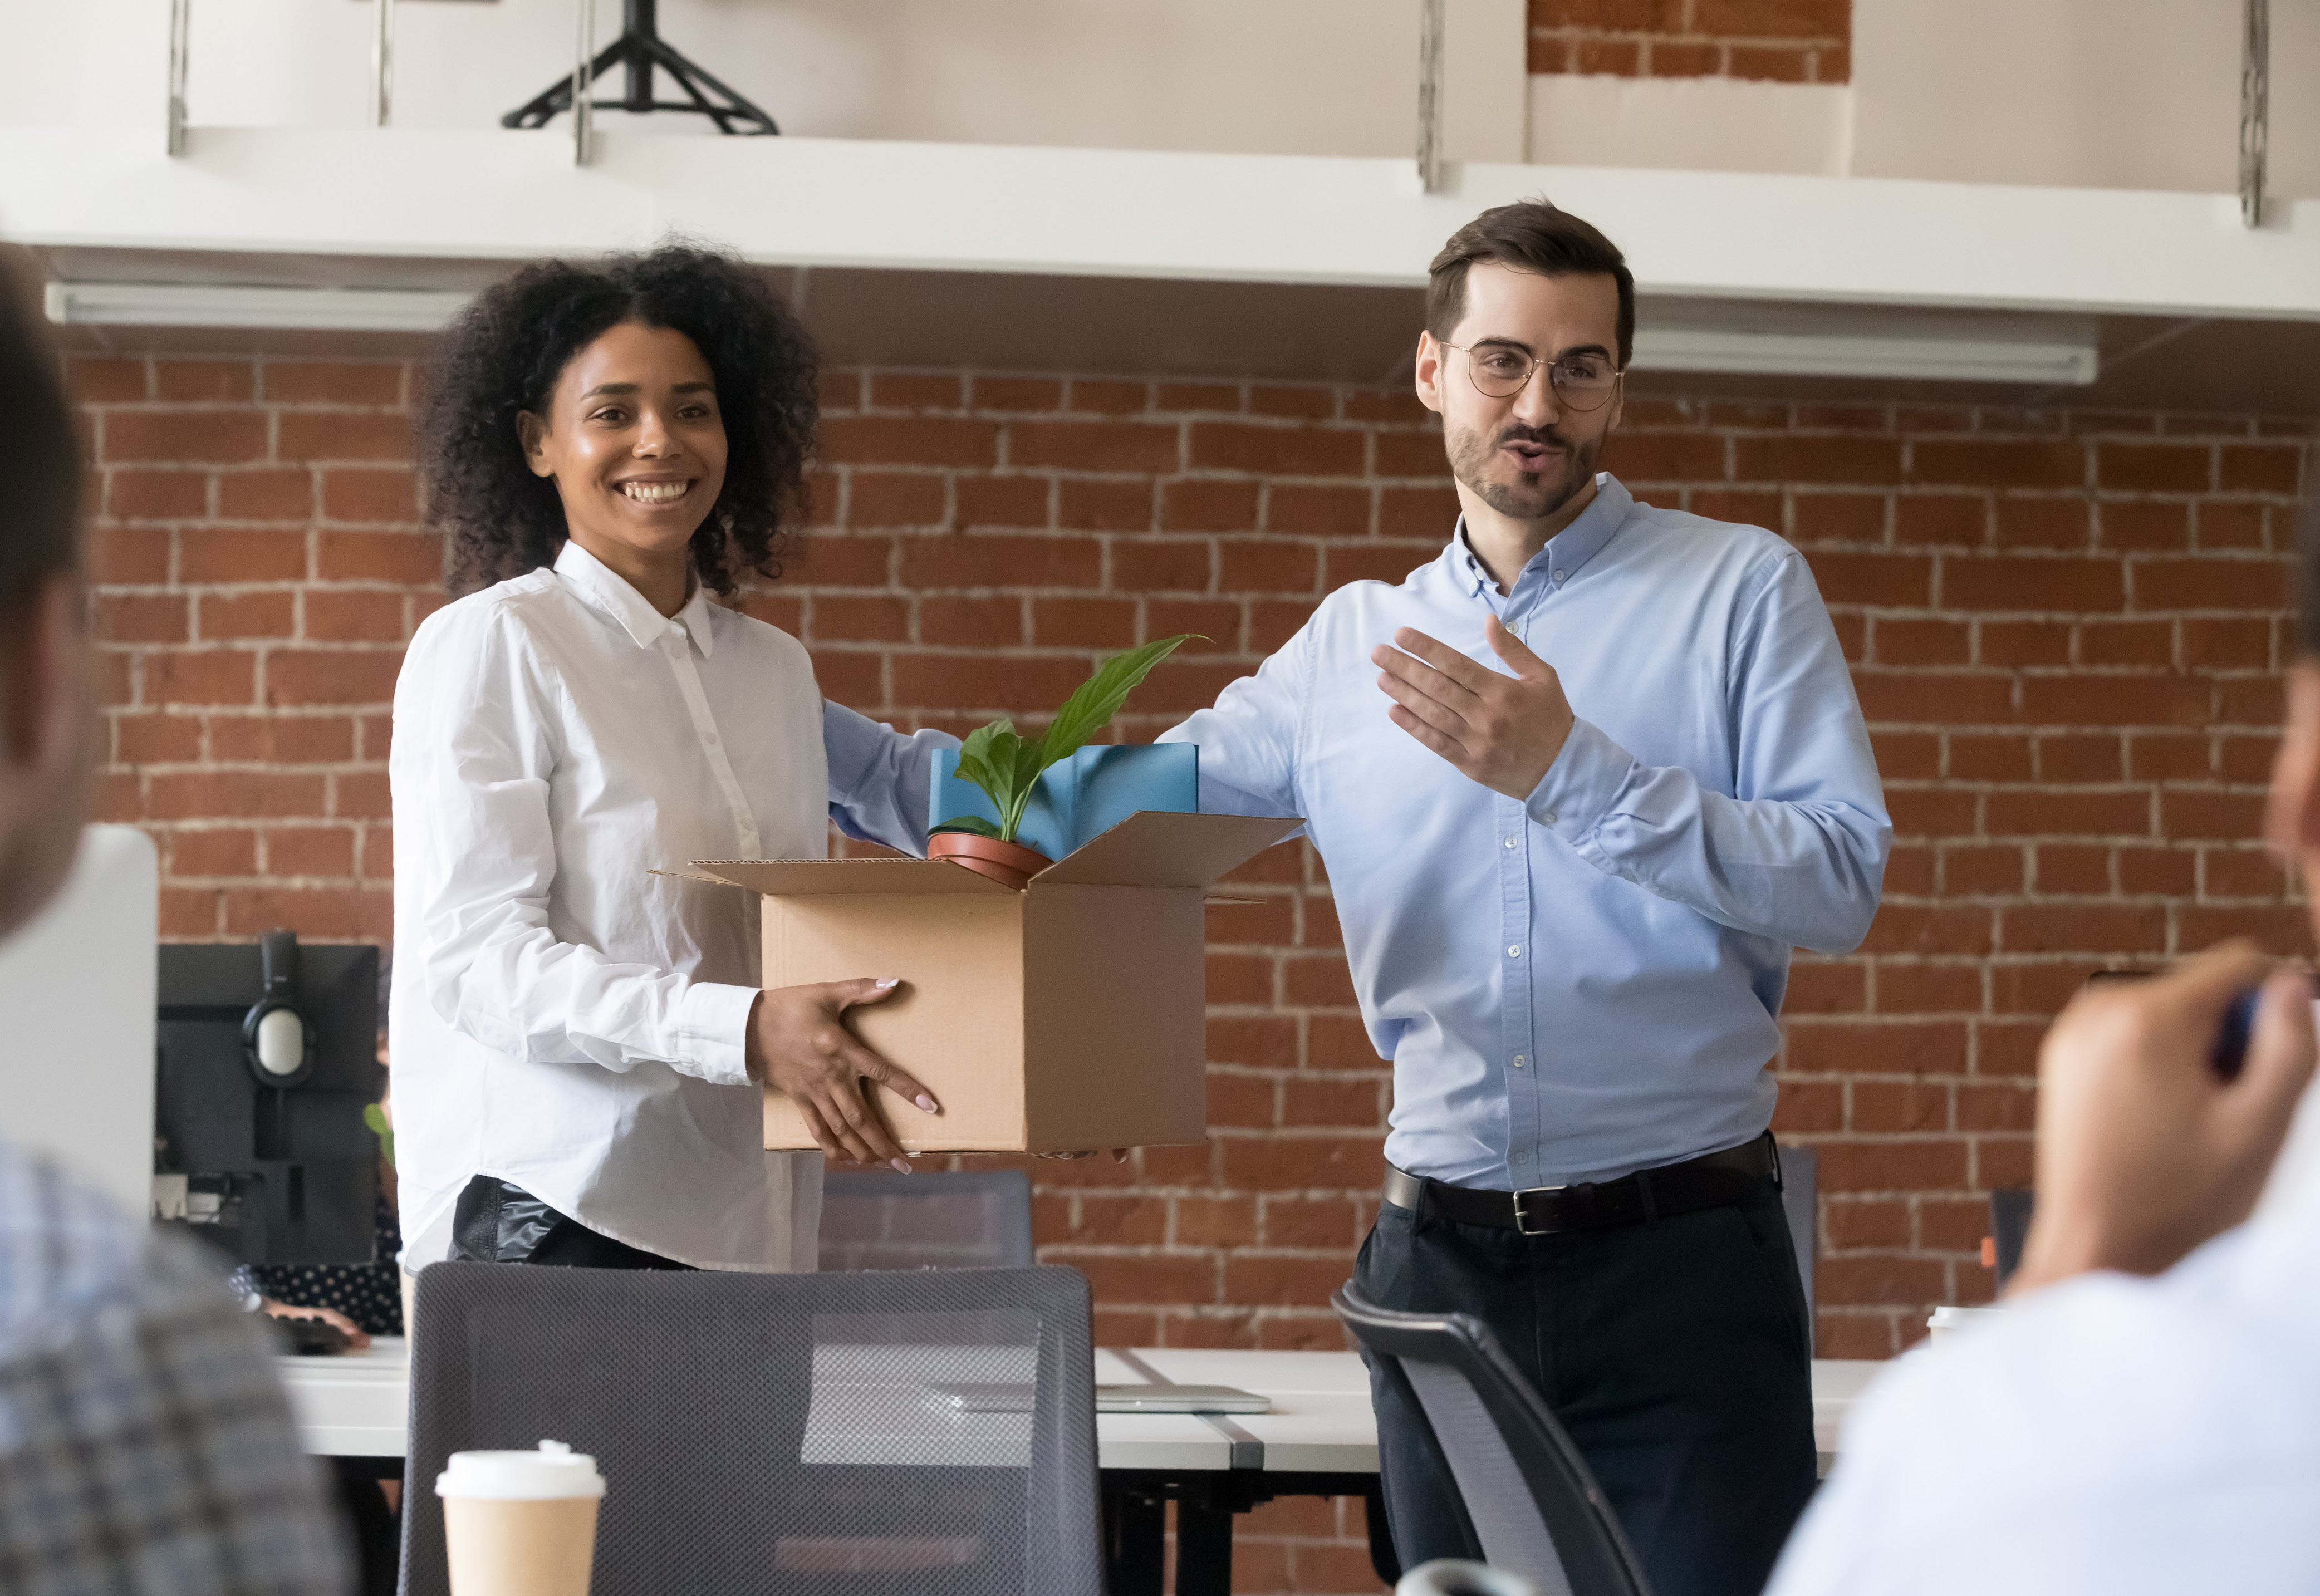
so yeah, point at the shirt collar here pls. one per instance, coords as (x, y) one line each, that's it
(1566, 552)
(609, 592)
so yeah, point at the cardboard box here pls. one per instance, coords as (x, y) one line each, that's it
(1066, 1017)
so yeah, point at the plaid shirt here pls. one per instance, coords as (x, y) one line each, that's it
(145, 1444)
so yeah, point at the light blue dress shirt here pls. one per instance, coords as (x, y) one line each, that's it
(1584, 983)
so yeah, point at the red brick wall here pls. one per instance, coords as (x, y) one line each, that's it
(2067, 632)
(1776, 41)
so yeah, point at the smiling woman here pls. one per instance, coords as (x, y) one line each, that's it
(654, 327)
(631, 436)
(578, 1040)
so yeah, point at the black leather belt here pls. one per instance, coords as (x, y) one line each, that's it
(1712, 1180)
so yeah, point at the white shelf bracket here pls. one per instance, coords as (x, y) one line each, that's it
(180, 26)
(1430, 23)
(584, 130)
(2255, 110)
(381, 63)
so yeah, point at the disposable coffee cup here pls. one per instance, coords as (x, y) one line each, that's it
(520, 1523)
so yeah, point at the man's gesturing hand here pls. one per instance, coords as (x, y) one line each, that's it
(2144, 1151)
(1504, 731)
(799, 1046)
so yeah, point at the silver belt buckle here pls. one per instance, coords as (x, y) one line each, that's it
(1522, 1217)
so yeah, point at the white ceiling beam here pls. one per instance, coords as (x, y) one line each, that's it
(503, 195)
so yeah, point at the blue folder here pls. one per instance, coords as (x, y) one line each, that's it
(1082, 797)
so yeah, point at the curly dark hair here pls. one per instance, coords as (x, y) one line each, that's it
(503, 353)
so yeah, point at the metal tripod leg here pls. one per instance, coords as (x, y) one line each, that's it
(685, 72)
(647, 49)
(556, 98)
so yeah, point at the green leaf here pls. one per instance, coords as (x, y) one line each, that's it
(974, 823)
(1023, 780)
(1090, 708)
(975, 755)
(1005, 765)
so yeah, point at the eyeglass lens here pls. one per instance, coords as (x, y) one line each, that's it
(1582, 382)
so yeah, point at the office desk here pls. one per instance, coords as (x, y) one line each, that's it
(1319, 1440)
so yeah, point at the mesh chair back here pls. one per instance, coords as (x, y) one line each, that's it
(1801, 1199)
(875, 1219)
(788, 1434)
(1532, 1507)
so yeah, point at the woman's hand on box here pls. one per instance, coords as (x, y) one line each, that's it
(799, 1046)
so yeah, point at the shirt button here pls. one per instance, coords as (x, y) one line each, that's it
(1510, 841)
(1513, 951)
(1548, 819)
(1519, 1156)
(1558, 575)
(1519, 1061)
(710, 740)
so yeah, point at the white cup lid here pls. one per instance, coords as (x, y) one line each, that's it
(552, 1472)
(1950, 1317)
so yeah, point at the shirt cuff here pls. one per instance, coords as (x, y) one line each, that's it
(1581, 785)
(713, 1023)
(850, 741)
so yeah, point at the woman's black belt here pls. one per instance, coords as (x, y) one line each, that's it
(1712, 1180)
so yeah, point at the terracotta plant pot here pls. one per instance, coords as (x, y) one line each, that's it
(1009, 864)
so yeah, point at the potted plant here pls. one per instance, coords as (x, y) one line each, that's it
(1007, 765)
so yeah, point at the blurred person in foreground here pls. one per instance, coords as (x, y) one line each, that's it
(2145, 1417)
(145, 1444)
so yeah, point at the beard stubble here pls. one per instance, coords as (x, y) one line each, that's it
(1529, 495)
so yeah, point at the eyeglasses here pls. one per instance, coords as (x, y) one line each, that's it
(1500, 371)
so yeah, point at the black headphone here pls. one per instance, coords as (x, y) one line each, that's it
(277, 1041)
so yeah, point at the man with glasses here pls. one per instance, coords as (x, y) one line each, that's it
(1581, 783)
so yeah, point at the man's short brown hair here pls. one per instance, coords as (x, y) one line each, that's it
(1533, 236)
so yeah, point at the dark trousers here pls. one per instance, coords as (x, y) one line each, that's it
(1674, 1352)
(496, 1221)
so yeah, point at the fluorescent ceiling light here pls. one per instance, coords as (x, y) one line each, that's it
(1921, 354)
(182, 305)
(1784, 342)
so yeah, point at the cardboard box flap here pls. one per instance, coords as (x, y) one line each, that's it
(819, 878)
(1153, 848)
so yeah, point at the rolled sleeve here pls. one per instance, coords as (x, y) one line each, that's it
(713, 1020)
(1583, 785)
(1795, 850)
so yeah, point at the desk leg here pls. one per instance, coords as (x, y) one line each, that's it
(1383, 1560)
(1204, 1528)
(1135, 1530)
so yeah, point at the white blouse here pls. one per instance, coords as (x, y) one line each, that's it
(561, 1017)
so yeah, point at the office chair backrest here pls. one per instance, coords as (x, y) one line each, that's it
(1531, 1506)
(875, 1434)
(875, 1219)
(1800, 1200)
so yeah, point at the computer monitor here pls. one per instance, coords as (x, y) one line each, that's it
(271, 1173)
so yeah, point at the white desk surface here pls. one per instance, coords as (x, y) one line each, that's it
(357, 1405)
